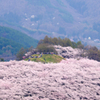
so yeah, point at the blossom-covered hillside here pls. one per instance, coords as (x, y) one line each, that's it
(70, 79)
(68, 52)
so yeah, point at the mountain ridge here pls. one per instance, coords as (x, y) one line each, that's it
(74, 19)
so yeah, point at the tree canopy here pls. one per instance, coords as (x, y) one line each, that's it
(58, 41)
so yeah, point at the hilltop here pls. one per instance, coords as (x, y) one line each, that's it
(61, 47)
(52, 50)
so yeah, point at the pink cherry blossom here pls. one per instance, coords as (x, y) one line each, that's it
(71, 79)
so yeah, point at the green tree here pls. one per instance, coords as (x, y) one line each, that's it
(80, 45)
(69, 43)
(40, 42)
(74, 45)
(45, 48)
(55, 41)
(46, 39)
(94, 53)
(20, 54)
(63, 42)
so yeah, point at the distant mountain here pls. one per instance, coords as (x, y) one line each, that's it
(75, 19)
(17, 37)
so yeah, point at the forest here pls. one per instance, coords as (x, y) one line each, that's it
(11, 41)
(9, 46)
(17, 36)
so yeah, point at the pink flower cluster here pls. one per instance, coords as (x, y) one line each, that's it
(71, 79)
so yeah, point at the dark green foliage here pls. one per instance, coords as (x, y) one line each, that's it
(11, 41)
(74, 45)
(63, 42)
(45, 48)
(80, 45)
(91, 53)
(67, 42)
(22, 51)
(20, 54)
(94, 53)
(46, 40)
(9, 46)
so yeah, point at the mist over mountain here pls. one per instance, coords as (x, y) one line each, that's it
(76, 19)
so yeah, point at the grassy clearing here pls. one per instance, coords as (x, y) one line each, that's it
(46, 58)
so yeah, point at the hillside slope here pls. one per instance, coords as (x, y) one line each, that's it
(11, 41)
(17, 37)
(8, 46)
